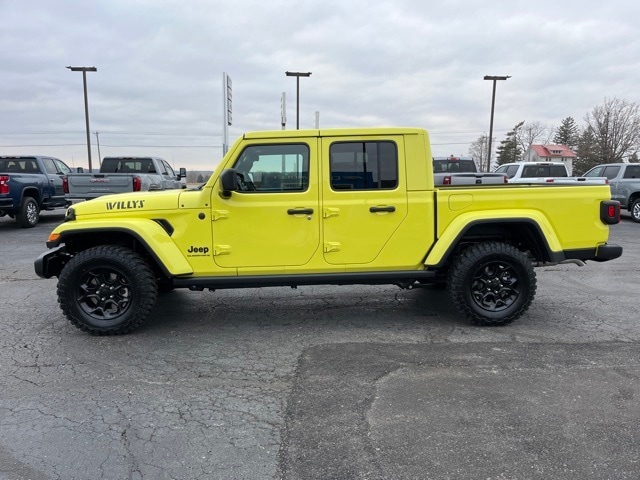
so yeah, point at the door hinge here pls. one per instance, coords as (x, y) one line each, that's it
(330, 212)
(221, 250)
(219, 215)
(332, 247)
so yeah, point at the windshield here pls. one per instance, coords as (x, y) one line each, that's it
(127, 165)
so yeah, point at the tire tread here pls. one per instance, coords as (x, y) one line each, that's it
(139, 270)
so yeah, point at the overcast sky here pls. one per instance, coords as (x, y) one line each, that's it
(158, 88)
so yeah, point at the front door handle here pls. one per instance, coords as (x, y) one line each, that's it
(300, 211)
(389, 208)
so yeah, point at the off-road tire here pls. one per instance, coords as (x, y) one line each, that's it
(492, 283)
(107, 290)
(29, 213)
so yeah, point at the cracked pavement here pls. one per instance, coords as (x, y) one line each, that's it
(322, 382)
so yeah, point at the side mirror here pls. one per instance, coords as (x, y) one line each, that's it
(228, 182)
(80, 170)
(182, 173)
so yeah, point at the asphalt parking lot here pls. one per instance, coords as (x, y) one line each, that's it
(323, 382)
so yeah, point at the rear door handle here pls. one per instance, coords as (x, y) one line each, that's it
(389, 208)
(300, 211)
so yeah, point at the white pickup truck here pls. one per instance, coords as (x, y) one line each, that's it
(543, 172)
(123, 174)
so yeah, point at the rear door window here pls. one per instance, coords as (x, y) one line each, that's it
(363, 165)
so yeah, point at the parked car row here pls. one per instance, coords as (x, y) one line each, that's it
(623, 179)
(544, 172)
(31, 183)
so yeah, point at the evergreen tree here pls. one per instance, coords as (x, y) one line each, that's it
(567, 133)
(587, 152)
(509, 149)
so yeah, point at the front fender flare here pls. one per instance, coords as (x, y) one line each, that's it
(148, 232)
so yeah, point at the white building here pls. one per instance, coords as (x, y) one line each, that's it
(551, 153)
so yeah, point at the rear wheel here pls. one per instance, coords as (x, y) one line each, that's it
(492, 283)
(107, 290)
(635, 210)
(29, 213)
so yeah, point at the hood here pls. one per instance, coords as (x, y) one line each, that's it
(128, 202)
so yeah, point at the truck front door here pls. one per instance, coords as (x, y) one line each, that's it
(273, 220)
(169, 178)
(364, 196)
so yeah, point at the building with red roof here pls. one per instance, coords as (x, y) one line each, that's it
(551, 153)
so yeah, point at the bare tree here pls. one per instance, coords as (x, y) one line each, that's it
(478, 151)
(530, 133)
(616, 128)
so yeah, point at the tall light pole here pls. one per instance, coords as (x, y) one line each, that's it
(493, 102)
(298, 75)
(84, 71)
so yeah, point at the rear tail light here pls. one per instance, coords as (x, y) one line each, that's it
(65, 184)
(610, 212)
(447, 180)
(549, 180)
(137, 184)
(506, 179)
(4, 184)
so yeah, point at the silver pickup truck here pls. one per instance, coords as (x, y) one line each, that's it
(462, 171)
(624, 181)
(124, 174)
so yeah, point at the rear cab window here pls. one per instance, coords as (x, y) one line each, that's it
(454, 165)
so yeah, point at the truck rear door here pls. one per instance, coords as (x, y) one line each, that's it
(55, 170)
(626, 184)
(364, 196)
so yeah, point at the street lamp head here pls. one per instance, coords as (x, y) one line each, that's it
(298, 74)
(496, 77)
(83, 69)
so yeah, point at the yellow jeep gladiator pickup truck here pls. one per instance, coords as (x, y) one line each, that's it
(340, 206)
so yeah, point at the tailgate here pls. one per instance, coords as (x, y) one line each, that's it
(99, 184)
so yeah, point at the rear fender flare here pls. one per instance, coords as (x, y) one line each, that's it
(459, 227)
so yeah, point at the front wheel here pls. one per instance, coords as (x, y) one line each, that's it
(635, 210)
(492, 283)
(107, 290)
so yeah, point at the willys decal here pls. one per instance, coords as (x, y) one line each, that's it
(125, 205)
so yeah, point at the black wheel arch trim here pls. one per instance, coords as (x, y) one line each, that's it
(543, 246)
(50, 257)
(600, 253)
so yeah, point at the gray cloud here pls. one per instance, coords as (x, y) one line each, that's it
(158, 88)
